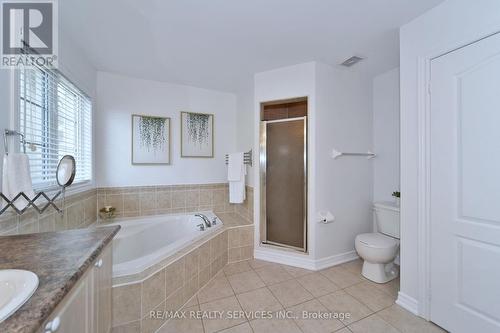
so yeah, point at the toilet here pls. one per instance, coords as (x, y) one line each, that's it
(379, 249)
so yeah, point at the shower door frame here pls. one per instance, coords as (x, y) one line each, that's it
(263, 174)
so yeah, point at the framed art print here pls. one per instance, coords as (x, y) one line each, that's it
(197, 134)
(150, 140)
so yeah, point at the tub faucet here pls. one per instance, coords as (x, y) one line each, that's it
(205, 219)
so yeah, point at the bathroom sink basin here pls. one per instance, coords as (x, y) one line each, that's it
(16, 287)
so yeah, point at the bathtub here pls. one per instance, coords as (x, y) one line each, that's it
(144, 241)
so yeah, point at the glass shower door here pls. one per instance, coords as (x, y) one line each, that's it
(285, 182)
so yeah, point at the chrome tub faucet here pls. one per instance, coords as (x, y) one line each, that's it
(205, 219)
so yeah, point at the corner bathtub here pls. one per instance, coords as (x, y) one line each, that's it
(144, 241)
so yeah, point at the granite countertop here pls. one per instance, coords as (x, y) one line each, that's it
(59, 259)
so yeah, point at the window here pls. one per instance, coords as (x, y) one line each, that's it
(56, 119)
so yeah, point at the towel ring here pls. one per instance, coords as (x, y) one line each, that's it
(8, 133)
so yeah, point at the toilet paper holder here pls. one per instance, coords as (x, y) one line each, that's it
(325, 217)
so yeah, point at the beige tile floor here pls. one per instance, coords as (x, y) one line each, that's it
(255, 285)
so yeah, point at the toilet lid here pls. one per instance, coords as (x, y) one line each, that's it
(377, 240)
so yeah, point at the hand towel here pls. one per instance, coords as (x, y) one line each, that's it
(17, 178)
(234, 168)
(236, 176)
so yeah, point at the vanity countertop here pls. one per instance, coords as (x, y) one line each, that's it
(59, 259)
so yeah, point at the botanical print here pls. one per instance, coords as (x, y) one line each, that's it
(150, 140)
(197, 126)
(196, 134)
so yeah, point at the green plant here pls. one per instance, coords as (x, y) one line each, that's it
(198, 127)
(152, 132)
(396, 194)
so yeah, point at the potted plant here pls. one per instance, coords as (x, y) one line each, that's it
(397, 197)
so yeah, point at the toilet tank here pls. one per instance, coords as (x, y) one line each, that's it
(387, 218)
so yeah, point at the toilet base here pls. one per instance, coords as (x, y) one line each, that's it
(380, 273)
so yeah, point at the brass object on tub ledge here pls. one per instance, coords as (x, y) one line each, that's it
(107, 212)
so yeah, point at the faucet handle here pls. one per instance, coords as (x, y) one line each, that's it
(201, 226)
(214, 221)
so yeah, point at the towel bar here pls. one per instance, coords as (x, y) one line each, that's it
(247, 158)
(31, 202)
(336, 153)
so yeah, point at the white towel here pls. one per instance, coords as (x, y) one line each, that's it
(236, 172)
(16, 178)
(234, 168)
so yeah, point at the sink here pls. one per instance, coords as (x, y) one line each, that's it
(16, 287)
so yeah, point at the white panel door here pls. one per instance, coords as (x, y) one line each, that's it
(465, 188)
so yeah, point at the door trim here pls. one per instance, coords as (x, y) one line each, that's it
(423, 182)
(262, 170)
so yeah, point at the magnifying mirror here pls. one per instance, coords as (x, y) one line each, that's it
(66, 171)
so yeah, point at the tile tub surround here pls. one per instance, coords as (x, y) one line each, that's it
(171, 283)
(168, 199)
(59, 259)
(82, 209)
(80, 212)
(240, 243)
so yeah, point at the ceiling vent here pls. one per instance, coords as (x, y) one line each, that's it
(351, 61)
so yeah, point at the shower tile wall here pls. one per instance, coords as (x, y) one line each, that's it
(80, 212)
(154, 200)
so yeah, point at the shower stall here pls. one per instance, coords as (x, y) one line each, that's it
(283, 174)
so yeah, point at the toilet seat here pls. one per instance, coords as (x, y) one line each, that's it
(377, 241)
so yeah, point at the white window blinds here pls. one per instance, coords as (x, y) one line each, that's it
(56, 117)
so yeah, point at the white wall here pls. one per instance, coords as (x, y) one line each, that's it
(76, 67)
(340, 116)
(119, 97)
(343, 186)
(452, 24)
(386, 135)
(244, 126)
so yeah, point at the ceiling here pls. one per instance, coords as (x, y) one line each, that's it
(219, 43)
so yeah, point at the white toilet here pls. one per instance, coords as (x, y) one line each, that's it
(379, 249)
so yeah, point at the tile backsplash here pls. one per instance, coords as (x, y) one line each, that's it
(154, 200)
(82, 209)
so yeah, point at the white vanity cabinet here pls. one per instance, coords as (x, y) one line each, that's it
(87, 307)
(102, 309)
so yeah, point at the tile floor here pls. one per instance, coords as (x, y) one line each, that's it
(255, 285)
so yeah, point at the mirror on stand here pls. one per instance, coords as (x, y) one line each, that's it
(66, 171)
(65, 175)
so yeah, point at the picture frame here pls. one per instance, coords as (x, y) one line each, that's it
(197, 134)
(151, 144)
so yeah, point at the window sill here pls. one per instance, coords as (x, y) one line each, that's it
(77, 188)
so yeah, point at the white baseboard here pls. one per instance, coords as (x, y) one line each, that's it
(284, 257)
(302, 260)
(407, 303)
(335, 260)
